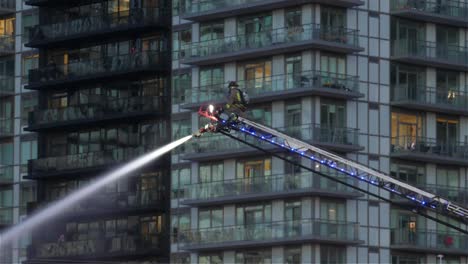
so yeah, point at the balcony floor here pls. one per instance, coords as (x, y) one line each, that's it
(437, 108)
(420, 15)
(260, 6)
(429, 250)
(431, 62)
(271, 50)
(429, 158)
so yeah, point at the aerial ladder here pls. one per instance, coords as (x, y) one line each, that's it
(220, 122)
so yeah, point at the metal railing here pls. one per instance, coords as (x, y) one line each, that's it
(281, 183)
(429, 239)
(450, 8)
(264, 232)
(276, 83)
(429, 146)
(308, 132)
(8, 4)
(432, 96)
(272, 37)
(100, 245)
(97, 110)
(430, 51)
(98, 22)
(88, 68)
(85, 160)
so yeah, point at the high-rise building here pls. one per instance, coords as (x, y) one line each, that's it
(16, 146)
(380, 82)
(103, 99)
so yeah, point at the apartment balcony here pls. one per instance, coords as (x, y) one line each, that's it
(82, 163)
(429, 99)
(98, 27)
(422, 149)
(7, 86)
(449, 12)
(7, 7)
(267, 43)
(222, 147)
(267, 188)
(283, 86)
(7, 128)
(101, 110)
(430, 54)
(7, 175)
(218, 9)
(99, 246)
(7, 45)
(429, 241)
(270, 234)
(111, 67)
(457, 195)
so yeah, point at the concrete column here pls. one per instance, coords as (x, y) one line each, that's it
(278, 114)
(195, 32)
(194, 218)
(230, 72)
(307, 254)
(431, 173)
(229, 215)
(278, 18)
(307, 61)
(307, 105)
(230, 27)
(194, 172)
(277, 210)
(307, 209)
(431, 121)
(431, 32)
(277, 166)
(278, 65)
(229, 257)
(307, 14)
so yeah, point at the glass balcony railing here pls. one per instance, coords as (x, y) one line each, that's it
(430, 51)
(7, 44)
(98, 110)
(8, 4)
(279, 83)
(428, 146)
(309, 133)
(449, 8)
(440, 97)
(429, 239)
(101, 245)
(85, 160)
(269, 232)
(457, 195)
(7, 85)
(102, 21)
(7, 127)
(270, 38)
(104, 65)
(6, 174)
(6, 216)
(275, 184)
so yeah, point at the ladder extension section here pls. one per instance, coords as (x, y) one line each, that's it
(350, 168)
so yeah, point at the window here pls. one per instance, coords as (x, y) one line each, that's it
(333, 17)
(332, 115)
(208, 218)
(260, 114)
(447, 133)
(180, 258)
(413, 174)
(180, 178)
(28, 104)
(405, 226)
(215, 258)
(211, 172)
(294, 77)
(252, 25)
(27, 195)
(212, 31)
(6, 153)
(407, 81)
(211, 82)
(150, 230)
(28, 151)
(254, 168)
(332, 255)
(29, 20)
(256, 76)
(7, 27)
(292, 255)
(181, 42)
(6, 197)
(408, 36)
(179, 223)
(408, 259)
(333, 210)
(7, 67)
(6, 107)
(293, 116)
(29, 62)
(262, 256)
(293, 18)
(251, 215)
(181, 87)
(447, 86)
(406, 128)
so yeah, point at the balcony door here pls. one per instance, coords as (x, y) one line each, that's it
(255, 30)
(408, 81)
(257, 77)
(292, 216)
(293, 72)
(407, 229)
(447, 87)
(409, 36)
(447, 42)
(255, 174)
(332, 120)
(447, 135)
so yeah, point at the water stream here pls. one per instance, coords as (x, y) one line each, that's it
(40, 218)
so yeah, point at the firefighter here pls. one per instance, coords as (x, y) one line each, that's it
(236, 101)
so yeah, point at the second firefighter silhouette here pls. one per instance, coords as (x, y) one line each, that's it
(237, 100)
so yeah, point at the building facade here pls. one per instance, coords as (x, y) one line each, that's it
(16, 145)
(379, 82)
(103, 99)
